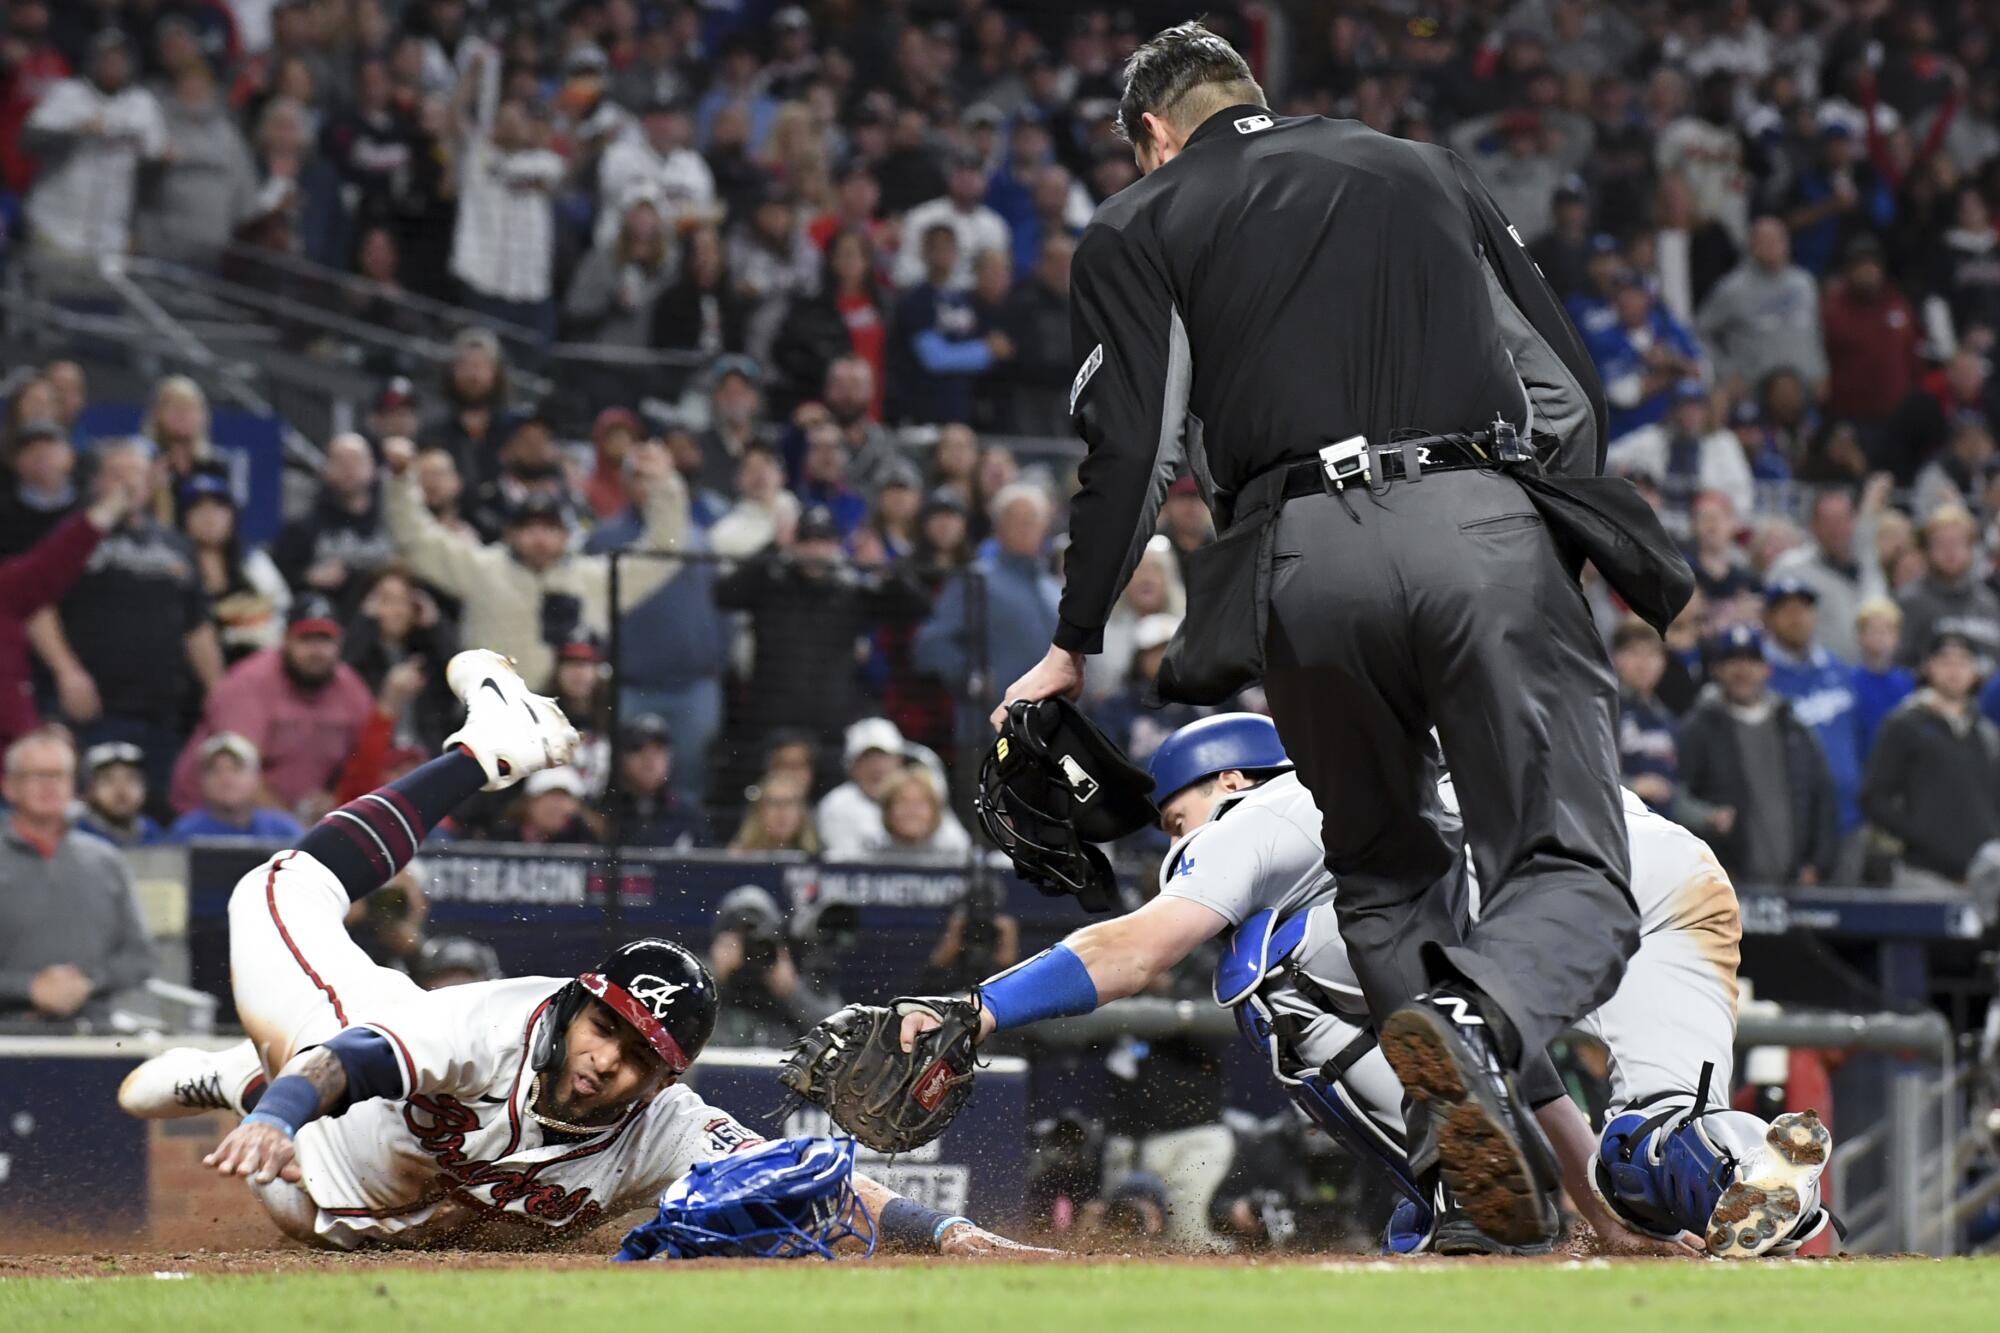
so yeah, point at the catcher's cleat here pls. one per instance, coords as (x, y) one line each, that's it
(1445, 1231)
(187, 1081)
(1492, 1154)
(1745, 1187)
(510, 731)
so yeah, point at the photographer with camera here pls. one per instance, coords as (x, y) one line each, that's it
(764, 1001)
(979, 939)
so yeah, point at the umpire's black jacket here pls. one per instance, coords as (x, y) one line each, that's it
(1284, 283)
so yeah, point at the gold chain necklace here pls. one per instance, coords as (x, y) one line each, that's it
(550, 1122)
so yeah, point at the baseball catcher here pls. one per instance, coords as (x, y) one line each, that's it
(1247, 862)
(527, 1110)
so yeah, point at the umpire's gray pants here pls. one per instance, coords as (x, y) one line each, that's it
(1443, 603)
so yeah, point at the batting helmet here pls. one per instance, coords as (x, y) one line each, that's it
(1247, 742)
(657, 986)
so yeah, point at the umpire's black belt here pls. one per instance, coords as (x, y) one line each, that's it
(1399, 460)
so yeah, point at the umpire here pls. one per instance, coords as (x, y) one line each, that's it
(1341, 337)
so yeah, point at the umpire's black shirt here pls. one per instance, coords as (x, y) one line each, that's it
(1287, 282)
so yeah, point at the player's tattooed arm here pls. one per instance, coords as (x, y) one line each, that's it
(311, 1084)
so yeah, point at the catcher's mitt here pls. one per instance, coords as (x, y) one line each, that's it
(892, 1100)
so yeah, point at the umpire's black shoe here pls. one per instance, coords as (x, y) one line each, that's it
(1492, 1153)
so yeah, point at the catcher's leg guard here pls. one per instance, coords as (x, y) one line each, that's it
(1330, 1106)
(1746, 1187)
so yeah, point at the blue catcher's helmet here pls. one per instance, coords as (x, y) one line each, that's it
(1246, 741)
(781, 1200)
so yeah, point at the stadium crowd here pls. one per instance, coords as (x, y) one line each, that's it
(1773, 224)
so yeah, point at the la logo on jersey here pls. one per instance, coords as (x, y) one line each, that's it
(656, 993)
(1184, 866)
(1251, 124)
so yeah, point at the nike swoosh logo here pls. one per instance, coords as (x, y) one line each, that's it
(489, 684)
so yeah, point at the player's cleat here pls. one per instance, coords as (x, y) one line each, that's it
(1747, 1188)
(188, 1081)
(1492, 1153)
(510, 731)
(1448, 1231)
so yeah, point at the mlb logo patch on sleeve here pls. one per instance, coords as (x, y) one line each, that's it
(1083, 374)
(1251, 124)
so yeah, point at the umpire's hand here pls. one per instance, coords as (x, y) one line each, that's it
(1058, 674)
(261, 1151)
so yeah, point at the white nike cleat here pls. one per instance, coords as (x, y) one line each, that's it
(188, 1081)
(510, 731)
(1776, 1191)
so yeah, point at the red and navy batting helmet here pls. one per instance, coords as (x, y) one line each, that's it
(657, 987)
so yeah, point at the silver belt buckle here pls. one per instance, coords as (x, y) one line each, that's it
(1347, 462)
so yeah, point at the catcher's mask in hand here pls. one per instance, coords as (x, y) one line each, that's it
(1052, 785)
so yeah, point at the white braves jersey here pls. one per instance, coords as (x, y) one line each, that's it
(459, 1150)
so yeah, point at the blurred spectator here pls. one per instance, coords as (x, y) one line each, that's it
(1521, 162)
(1134, 716)
(1154, 589)
(504, 248)
(1018, 596)
(612, 437)
(177, 424)
(764, 1002)
(1706, 148)
(772, 262)
(1817, 684)
(456, 960)
(1837, 201)
(764, 510)
(1949, 596)
(232, 804)
(377, 758)
(702, 311)
(298, 704)
(846, 318)
(979, 940)
(658, 165)
(1754, 782)
(1955, 392)
(396, 623)
(475, 395)
(1685, 453)
(206, 183)
(443, 491)
(1871, 343)
(523, 596)
(1563, 252)
(1036, 322)
(1957, 475)
(1838, 564)
(40, 491)
(1693, 254)
(1641, 356)
(974, 228)
(70, 933)
(645, 810)
(778, 819)
(807, 608)
(581, 687)
(247, 595)
(552, 810)
(31, 582)
(388, 924)
(529, 475)
(340, 544)
(1968, 270)
(1879, 684)
(1720, 571)
(735, 421)
(1934, 775)
(937, 349)
(91, 135)
(1765, 315)
(1648, 747)
(850, 818)
(823, 482)
(114, 797)
(30, 65)
(613, 292)
(134, 646)
(1185, 520)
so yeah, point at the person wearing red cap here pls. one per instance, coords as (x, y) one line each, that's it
(299, 704)
(613, 434)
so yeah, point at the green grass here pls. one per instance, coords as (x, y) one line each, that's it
(855, 1298)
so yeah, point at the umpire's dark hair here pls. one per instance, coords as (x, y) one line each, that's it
(1175, 64)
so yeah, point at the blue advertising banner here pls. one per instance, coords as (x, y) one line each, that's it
(250, 446)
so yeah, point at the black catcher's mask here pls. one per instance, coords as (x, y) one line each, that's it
(657, 986)
(1051, 786)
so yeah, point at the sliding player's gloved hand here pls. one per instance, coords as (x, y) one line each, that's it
(892, 1100)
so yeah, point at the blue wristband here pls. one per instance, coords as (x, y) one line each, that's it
(947, 1223)
(1052, 984)
(288, 1103)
